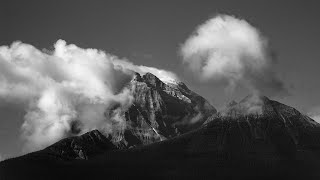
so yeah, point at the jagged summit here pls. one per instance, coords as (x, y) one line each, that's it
(137, 77)
(157, 82)
(231, 103)
(160, 111)
(163, 79)
(153, 80)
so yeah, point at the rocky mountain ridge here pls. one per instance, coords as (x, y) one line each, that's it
(160, 111)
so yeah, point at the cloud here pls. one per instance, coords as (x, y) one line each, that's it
(314, 113)
(228, 49)
(67, 91)
(2, 157)
(316, 118)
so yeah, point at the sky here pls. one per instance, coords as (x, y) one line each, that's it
(151, 33)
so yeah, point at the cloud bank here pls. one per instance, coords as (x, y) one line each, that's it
(228, 49)
(67, 91)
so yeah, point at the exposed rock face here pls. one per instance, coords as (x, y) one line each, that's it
(161, 111)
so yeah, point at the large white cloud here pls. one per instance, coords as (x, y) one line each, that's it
(225, 48)
(65, 92)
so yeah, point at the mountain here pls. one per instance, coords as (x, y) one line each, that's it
(160, 111)
(255, 138)
(175, 133)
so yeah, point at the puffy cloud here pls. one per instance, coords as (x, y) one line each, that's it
(67, 91)
(225, 48)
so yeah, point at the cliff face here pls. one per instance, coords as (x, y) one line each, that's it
(161, 111)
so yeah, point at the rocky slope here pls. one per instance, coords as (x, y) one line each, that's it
(160, 111)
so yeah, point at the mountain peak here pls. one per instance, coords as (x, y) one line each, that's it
(152, 80)
(150, 76)
(231, 103)
(251, 104)
(255, 98)
(164, 109)
(137, 77)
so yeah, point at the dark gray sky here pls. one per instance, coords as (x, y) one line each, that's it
(150, 33)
